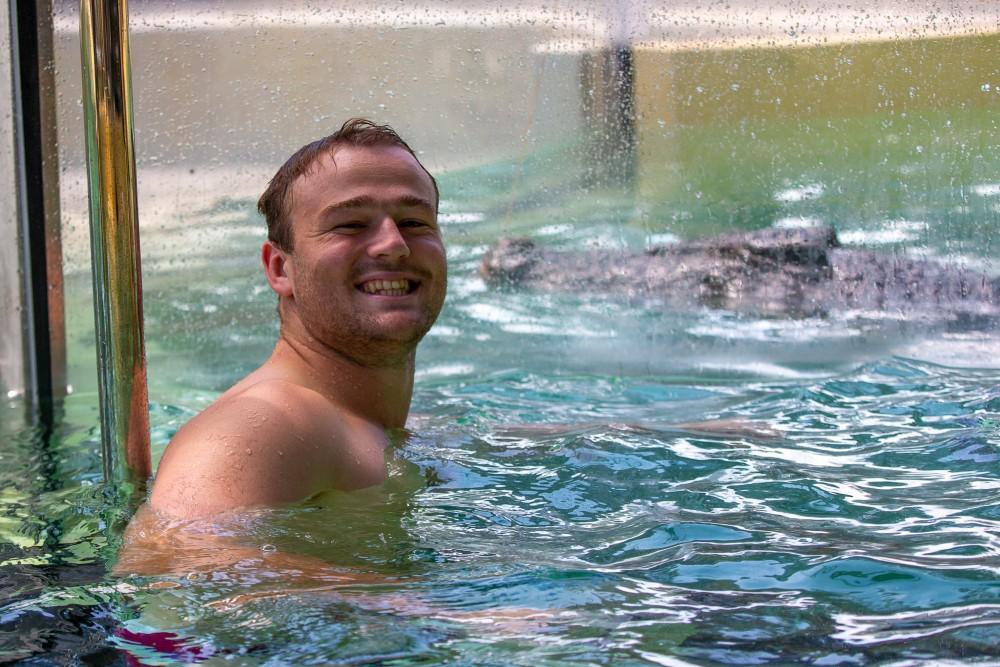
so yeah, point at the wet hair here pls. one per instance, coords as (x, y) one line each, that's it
(276, 202)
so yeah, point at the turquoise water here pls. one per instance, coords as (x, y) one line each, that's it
(545, 511)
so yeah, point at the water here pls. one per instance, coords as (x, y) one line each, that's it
(548, 508)
(865, 531)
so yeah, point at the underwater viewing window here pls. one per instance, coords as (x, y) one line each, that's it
(717, 379)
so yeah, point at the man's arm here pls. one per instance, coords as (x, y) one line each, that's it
(159, 546)
(273, 443)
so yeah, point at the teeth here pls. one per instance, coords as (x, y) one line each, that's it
(387, 287)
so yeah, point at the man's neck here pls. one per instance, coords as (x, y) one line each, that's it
(379, 393)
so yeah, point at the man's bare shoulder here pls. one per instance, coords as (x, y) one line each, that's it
(265, 443)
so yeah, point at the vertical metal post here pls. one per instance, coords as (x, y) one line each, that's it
(114, 230)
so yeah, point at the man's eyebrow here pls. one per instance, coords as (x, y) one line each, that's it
(364, 201)
(415, 202)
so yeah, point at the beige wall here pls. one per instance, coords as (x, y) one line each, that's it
(220, 100)
(247, 94)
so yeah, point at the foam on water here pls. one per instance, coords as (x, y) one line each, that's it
(797, 222)
(987, 189)
(798, 194)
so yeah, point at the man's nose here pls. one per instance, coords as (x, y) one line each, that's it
(388, 241)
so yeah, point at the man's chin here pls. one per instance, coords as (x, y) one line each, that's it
(400, 330)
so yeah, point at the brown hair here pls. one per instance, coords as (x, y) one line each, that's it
(275, 203)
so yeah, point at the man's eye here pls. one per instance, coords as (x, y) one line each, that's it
(411, 223)
(349, 226)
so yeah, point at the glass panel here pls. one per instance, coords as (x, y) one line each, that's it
(839, 505)
(223, 95)
(880, 123)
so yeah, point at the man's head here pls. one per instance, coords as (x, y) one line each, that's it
(276, 202)
(354, 251)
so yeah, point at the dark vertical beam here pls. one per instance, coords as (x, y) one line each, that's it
(41, 249)
(607, 84)
(49, 153)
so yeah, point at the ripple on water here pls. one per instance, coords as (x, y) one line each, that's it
(543, 517)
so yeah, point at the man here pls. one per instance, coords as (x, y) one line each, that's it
(355, 255)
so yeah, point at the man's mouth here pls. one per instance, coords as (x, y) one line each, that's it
(389, 287)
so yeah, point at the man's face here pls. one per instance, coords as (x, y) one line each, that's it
(368, 269)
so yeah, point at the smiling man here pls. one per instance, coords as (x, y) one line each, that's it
(355, 255)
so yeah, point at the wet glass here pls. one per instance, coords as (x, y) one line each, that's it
(548, 486)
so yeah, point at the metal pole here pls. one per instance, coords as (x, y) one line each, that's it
(114, 233)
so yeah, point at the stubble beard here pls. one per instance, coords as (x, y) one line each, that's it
(365, 338)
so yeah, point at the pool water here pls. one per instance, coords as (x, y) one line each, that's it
(546, 510)
(546, 507)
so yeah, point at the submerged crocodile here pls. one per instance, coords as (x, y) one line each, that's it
(773, 272)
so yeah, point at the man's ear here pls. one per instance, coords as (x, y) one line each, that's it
(278, 269)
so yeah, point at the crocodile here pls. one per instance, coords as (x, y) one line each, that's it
(796, 273)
